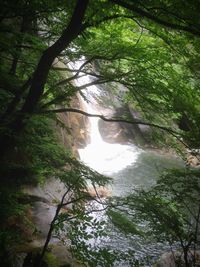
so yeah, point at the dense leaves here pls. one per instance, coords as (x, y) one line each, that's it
(168, 212)
(144, 52)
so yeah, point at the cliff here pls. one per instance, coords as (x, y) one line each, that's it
(73, 129)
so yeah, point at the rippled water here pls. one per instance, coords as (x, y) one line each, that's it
(141, 173)
(130, 168)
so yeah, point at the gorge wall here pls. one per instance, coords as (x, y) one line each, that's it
(74, 129)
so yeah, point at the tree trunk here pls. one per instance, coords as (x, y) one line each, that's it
(185, 252)
(48, 238)
(40, 75)
(40, 258)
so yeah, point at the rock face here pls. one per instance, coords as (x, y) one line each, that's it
(73, 130)
(193, 159)
(112, 132)
(119, 132)
(113, 105)
(176, 259)
(44, 200)
(166, 260)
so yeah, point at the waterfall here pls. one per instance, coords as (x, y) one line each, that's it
(130, 168)
(101, 156)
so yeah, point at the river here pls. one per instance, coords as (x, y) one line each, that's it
(130, 167)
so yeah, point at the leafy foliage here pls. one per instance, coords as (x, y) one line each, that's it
(137, 46)
(168, 212)
(123, 223)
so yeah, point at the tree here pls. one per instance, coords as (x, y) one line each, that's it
(169, 212)
(77, 24)
(41, 72)
(165, 13)
(76, 196)
(149, 47)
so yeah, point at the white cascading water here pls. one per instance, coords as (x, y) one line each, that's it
(131, 168)
(101, 156)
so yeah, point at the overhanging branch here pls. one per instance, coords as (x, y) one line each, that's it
(166, 23)
(61, 110)
(163, 128)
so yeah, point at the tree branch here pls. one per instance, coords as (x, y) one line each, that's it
(163, 128)
(61, 110)
(145, 14)
(74, 28)
(108, 18)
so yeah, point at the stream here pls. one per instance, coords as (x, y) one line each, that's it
(130, 167)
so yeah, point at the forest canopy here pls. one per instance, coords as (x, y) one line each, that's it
(150, 48)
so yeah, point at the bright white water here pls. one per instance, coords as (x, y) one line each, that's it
(130, 168)
(101, 156)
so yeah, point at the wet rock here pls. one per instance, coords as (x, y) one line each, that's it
(99, 192)
(176, 258)
(29, 199)
(123, 133)
(166, 260)
(63, 255)
(44, 200)
(73, 130)
(193, 159)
